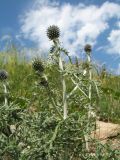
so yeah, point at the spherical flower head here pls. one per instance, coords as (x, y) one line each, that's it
(53, 32)
(3, 75)
(87, 48)
(37, 65)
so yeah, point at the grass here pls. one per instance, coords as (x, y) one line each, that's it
(40, 130)
(110, 100)
(22, 79)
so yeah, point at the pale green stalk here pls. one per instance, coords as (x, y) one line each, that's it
(5, 92)
(65, 111)
(90, 98)
(64, 90)
(90, 87)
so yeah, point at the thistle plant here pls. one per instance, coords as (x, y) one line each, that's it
(3, 78)
(53, 34)
(41, 134)
(87, 68)
(88, 50)
(91, 84)
(56, 51)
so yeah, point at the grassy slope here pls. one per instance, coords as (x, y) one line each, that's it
(110, 101)
(21, 81)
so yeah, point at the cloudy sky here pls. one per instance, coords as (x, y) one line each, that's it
(81, 21)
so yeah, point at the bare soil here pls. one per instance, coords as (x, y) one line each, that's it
(107, 132)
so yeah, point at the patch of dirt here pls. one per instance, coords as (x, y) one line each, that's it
(107, 133)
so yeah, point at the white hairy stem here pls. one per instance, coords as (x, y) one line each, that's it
(64, 89)
(97, 90)
(72, 92)
(5, 92)
(65, 110)
(90, 97)
(90, 88)
(77, 85)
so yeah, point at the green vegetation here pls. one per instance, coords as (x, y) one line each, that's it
(110, 100)
(48, 108)
(22, 80)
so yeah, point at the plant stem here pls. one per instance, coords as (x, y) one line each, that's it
(5, 92)
(65, 111)
(90, 87)
(64, 90)
(90, 102)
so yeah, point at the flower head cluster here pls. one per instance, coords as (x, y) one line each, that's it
(87, 48)
(38, 65)
(53, 32)
(3, 75)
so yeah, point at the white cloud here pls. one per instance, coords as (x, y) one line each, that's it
(79, 24)
(5, 38)
(114, 40)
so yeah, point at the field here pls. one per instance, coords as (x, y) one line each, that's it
(48, 108)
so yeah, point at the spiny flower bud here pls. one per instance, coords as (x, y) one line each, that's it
(37, 65)
(53, 32)
(87, 48)
(3, 75)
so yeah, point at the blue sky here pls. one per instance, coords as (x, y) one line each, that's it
(81, 21)
(9, 13)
